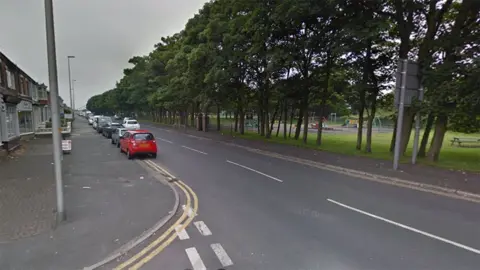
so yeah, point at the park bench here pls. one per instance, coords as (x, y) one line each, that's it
(459, 141)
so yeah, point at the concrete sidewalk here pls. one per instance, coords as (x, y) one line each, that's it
(109, 201)
(422, 174)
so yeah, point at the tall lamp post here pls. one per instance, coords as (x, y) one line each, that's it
(70, 82)
(73, 96)
(56, 128)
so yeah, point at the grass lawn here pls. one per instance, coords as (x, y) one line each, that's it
(451, 157)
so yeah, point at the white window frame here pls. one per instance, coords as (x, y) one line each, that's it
(10, 80)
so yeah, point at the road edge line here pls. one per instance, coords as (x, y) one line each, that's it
(146, 234)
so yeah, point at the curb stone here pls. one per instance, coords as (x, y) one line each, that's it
(146, 234)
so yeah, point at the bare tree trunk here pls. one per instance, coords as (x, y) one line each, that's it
(279, 120)
(360, 125)
(218, 118)
(236, 121)
(269, 132)
(299, 123)
(292, 115)
(371, 118)
(285, 115)
(439, 135)
(426, 134)
(242, 120)
(305, 126)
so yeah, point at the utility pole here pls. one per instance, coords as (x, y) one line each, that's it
(70, 82)
(56, 128)
(73, 97)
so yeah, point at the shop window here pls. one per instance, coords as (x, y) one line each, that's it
(25, 122)
(11, 121)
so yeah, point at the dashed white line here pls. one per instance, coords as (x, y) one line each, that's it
(195, 150)
(163, 140)
(200, 138)
(250, 169)
(221, 255)
(182, 233)
(195, 259)
(202, 228)
(453, 243)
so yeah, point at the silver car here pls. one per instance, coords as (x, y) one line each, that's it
(116, 134)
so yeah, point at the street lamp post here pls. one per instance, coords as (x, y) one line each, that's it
(70, 81)
(56, 128)
(73, 96)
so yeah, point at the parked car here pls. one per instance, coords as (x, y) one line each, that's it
(116, 134)
(102, 123)
(131, 124)
(108, 130)
(95, 121)
(138, 142)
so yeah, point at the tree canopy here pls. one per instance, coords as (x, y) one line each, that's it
(288, 58)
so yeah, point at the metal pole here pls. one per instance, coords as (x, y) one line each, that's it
(70, 82)
(396, 156)
(73, 96)
(56, 129)
(417, 130)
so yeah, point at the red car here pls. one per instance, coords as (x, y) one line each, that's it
(138, 142)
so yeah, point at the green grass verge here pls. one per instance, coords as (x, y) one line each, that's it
(451, 157)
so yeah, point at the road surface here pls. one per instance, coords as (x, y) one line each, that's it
(258, 212)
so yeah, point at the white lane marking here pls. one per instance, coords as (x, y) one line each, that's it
(250, 169)
(195, 259)
(202, 228)
(164, 140)
(200, 138)
(221, 255)
(453, 243)
(195, 150)
(189, 211)
(182, 233)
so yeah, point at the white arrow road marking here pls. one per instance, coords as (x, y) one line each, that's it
(253, 170)
(221, 255)
(195, 259)
(453, 243)
(182, 233)
(202, 228)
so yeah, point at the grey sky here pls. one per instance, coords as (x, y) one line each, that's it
(102, 34)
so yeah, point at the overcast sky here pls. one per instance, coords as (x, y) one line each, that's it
(102, 34)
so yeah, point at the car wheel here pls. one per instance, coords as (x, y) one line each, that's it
(118, 145)
(129, 156)
(154, 155)
(111, 141)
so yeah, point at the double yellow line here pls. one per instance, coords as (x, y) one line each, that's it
(159, 244)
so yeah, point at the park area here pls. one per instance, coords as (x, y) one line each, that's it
(342, 140)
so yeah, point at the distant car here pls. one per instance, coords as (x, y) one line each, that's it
(131, 124)
(108, 130)
(95, 121)
(138, 142)
(102, 123)
(116, 134)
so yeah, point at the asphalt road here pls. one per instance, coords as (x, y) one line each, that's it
(258, 212)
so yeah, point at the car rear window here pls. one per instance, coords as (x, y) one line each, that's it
(143, 136)
(132, 122)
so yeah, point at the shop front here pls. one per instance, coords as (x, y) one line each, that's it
(10, 132)
(25, 117)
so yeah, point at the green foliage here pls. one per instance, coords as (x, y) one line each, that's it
(312, 55)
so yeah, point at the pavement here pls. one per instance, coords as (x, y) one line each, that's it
(261, 212)
(109, 201)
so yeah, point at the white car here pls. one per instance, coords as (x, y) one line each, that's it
(131, 124)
